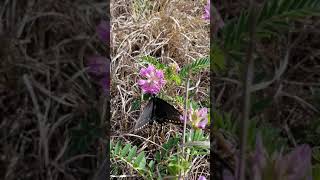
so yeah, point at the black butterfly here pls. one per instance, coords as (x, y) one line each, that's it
(159, 111)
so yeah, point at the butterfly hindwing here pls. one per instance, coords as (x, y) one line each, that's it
(146, 116)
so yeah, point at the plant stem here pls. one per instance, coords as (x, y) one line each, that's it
(185, 115)
(249, 73)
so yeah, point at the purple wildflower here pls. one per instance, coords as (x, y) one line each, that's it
(154, 80)
(103, 31)
(259, 158)
(206, 15)
(202, 178)
(105, 84)
(98, 67)
(297, 164)
(197, 118)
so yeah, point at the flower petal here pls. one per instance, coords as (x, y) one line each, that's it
(142, 82)
(103, 31)
(202, 124)
(97, 65)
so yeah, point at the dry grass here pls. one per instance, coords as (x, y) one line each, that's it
(172, 31)
(45, 93)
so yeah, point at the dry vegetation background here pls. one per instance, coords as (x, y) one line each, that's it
(290, 101)
(285, 105)
(51, 111)
(172, 31)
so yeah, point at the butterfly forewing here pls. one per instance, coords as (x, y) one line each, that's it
(166, 113)
(146, 116)
(160, 111)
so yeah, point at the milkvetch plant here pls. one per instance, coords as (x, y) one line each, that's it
(296, 165)
(153, 77)
(197, 118)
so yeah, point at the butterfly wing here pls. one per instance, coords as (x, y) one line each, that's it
(166, 113)
(145, 117)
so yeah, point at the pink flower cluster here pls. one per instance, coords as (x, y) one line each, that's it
(296, 165)
(154, 80)
(103, 31)
(198, 118)
(99, 66)
(206, 15)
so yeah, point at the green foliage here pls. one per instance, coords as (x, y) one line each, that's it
(197, 143)
(141, 8)
(128, 155)
(223, 120)
(154, 61)
(87, 132)
(195, 66)
(170, 74)
(136, 104)
(316, 172)
(271, 136)
(272, 19)
(218, 59)
(168, 160)
(316, 154)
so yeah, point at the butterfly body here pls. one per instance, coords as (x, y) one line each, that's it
(159, 111)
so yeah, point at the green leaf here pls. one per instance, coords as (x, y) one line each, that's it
(158, 157)
(154, 61)
(132, 153)
(117, 148)
(125, 150)
(139, 159)
(205, 144)
(136, 104)
(172, 142)
(176, 79)
(218, 60)
(151, 165)
(195, 66)
(143, 163)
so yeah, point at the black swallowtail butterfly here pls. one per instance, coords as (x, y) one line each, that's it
(159, 111)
